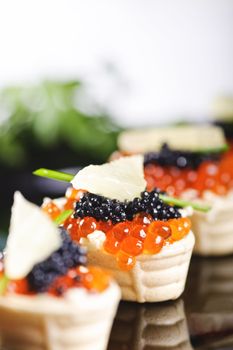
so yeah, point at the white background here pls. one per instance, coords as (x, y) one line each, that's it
(146, 61)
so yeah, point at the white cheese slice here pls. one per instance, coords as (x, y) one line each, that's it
(33, 237)
(121, 179)
(187, 138)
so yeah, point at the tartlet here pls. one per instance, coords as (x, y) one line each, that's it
(214, 230)
(191, 163)
(49, 298)
(143, 241)
(154, 278)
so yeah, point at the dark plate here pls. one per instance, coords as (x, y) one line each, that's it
(201, 319)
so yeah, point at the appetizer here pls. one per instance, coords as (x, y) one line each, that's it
(138, 235)
(191, 162)
(49, 298)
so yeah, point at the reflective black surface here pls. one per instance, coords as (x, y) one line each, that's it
(201, 319)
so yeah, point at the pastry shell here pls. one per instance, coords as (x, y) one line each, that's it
(154, 278)
(214, 230)
(50, 323)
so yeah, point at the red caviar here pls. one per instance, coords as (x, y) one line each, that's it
(105, 226)
(69, 204)
(111, 244)
(20, 286)
(132, 246)
(87, 225)
(72, 226)
(179, 228)
(139, 232)
(216, 176)
(96, 279)
(128, 239)
(72, 196)
(160, 228)
(153, 243)
(51, 209)
(72, 193)
(125, 261)
(121, 230)
(91, 278)
(143, 219)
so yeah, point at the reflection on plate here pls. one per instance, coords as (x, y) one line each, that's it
(210, 315)
(150, 327)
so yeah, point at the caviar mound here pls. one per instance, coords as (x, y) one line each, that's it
(213, 175)
(102, 208)
(125, 230)
(212, 182)
(68, 256)
(129, 239)
(142, 226)
(179, 159)
(61, 271)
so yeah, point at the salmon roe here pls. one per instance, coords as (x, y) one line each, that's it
(128, 239)
(153, 243)
(87, 225)
(78, 228)
(72, 226)
(51, 209)
(216, 176)
(20, 286)
(111, 244)
(92, 278)
(72, 196)
(125, 261)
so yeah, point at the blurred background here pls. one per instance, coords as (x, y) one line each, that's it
(74, 73)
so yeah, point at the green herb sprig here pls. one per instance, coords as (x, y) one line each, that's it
(3, 284)
(63, 216)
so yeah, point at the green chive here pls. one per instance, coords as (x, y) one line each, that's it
(62, 217)
(57, 175)
(183, 203)
(3, 284)
(52, 174)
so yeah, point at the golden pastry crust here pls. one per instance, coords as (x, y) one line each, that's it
(79, 321)
(154, 278)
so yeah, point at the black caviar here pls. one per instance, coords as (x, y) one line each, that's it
(180, 159)
(68, 256)
(102, 208)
